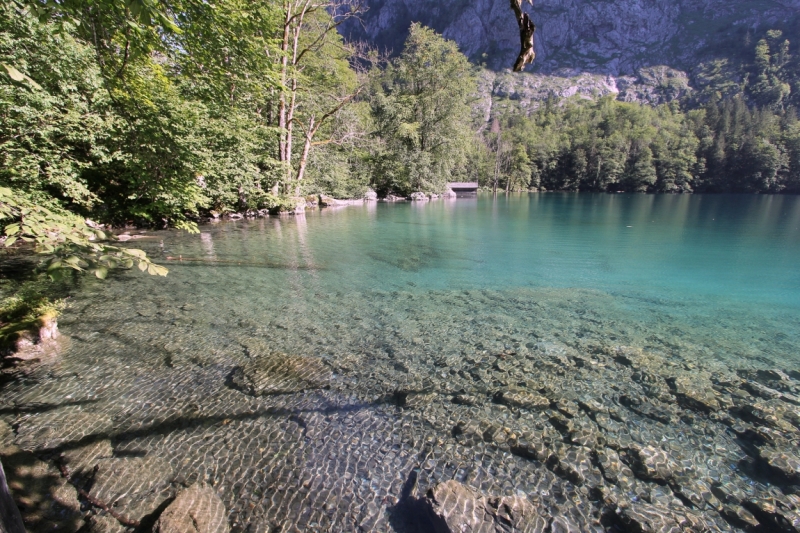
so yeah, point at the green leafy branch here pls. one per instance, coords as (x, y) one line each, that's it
(72, 244)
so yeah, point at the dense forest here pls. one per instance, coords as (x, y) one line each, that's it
(725, 146)
(156, 114)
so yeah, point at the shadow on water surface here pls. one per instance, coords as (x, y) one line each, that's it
(412, 514)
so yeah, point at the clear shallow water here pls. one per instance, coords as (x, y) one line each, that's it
(552, 347)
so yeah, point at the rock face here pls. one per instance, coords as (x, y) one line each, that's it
(614, 38)
(279, 373)
(650, 85)
(197, 509)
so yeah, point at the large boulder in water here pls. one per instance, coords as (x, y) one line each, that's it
(197, 509)
(278, 373)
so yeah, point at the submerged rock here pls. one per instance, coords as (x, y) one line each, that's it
(458, 508)
(783, 462)
(197, 509)
(279, 373)
(132, 484)
(653, 463)
(51, 429)
(523, 399)
(694, 392)
(83, 459)
(645, 518)
(614, 470)
(105, 524)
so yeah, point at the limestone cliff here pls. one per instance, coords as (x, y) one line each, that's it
(600, 36)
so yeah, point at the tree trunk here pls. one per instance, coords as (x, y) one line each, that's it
(290, 132)
(526, 31)
(301, 167)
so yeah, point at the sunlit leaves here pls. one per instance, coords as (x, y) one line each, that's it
(420, 105)
(70, 242)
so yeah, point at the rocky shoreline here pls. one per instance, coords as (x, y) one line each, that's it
(298, 205)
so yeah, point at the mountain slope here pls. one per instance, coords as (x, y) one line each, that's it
(599, 36)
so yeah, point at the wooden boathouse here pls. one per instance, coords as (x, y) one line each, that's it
(463, 187)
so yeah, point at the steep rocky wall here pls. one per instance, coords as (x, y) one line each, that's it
(604, 37)
(527, 91)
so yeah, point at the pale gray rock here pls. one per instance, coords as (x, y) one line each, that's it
(326, 201)
(419, 196)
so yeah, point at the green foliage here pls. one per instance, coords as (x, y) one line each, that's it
(50, 133)
(609, 146)
(421, 111)
(70, 243)
(762, 68)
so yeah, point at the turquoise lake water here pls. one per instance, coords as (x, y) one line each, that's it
(733, 257)
(599, 358)
(743, 248)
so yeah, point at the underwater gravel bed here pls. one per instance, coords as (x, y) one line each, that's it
(538, 363)
(594, 415)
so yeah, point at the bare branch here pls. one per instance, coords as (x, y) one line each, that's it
(526, 31)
